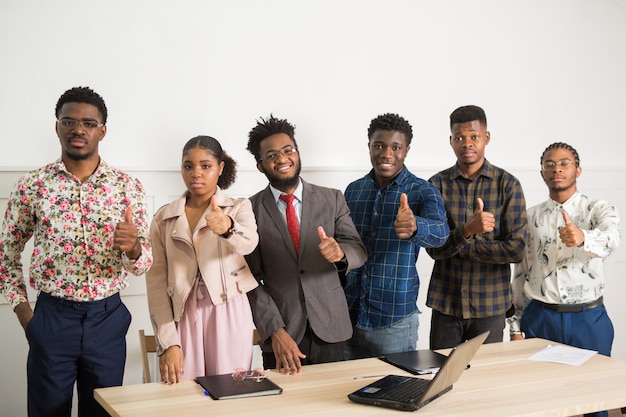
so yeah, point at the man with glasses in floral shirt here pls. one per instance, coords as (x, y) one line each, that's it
(89, 225)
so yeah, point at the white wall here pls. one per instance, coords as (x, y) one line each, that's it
(544, 70)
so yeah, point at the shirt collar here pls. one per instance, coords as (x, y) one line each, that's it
(569, 204)
(102, 170)
(487, 170)
(399, 179)
(298, 192)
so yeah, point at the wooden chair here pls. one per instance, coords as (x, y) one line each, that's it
(148, 345)
(255, 337)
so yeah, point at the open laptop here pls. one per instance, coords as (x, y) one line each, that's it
(411, 393)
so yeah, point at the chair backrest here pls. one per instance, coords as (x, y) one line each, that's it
(148, 345)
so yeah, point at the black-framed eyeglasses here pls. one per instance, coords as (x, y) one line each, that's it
(68, 123)
(550, 165)
(273, 155)
(257, 375)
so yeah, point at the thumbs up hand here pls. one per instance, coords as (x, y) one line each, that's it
(329, 248)
(481, 221)
(216, 220)
(405, 223)
(125, 236)
(570, 234)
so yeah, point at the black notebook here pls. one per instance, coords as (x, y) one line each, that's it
(221, 387)
(417, 362)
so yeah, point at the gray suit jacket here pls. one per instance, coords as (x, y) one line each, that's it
(296, 289)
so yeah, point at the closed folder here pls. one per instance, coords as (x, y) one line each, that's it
(221, 387)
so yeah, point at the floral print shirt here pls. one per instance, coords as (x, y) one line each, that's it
(73, 225)
(555, 274)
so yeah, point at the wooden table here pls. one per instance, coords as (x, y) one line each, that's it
(501, 382)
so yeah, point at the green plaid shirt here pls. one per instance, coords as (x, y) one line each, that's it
(471, 277)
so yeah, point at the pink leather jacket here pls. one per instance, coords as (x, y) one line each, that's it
(178, 255)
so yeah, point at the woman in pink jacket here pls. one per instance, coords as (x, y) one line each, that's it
(199, 279)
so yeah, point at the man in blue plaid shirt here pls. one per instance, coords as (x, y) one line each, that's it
(470, 286)
(395, 213)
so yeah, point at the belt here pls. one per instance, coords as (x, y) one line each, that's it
(573, 308)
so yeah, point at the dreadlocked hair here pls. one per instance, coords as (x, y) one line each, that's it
(561, 145)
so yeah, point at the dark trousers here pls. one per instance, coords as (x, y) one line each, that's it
(315, 349)
(74, 342)
(450, 331)
(590, 329)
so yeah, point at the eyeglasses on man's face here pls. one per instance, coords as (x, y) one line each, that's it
(561, 163)
(257, 375)
(68, 123)
(273, 155)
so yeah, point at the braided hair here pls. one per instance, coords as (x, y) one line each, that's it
(561, 145)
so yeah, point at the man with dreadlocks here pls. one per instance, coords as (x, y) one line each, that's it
(558, 287)
(561, 279)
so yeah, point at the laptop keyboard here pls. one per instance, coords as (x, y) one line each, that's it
(409, 390)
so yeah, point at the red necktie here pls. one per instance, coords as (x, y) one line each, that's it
(292, 220)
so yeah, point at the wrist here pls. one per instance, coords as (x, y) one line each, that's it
(230, 230)
(135, 252)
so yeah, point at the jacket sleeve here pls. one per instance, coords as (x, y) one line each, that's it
(244, 237)
(347, 236)
(159, 303)
(267, 316)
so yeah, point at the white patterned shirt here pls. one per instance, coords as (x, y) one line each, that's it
(555, 274)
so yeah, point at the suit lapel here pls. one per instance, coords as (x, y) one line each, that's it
(306, 219)
(273, 215)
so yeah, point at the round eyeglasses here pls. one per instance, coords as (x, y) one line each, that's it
(257, 375)
(273, 155)
(73, 123)
(550, 165)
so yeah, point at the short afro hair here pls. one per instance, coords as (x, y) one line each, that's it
(82, 95)
(391, 122)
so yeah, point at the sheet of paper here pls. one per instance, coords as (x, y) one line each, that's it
(567, 355)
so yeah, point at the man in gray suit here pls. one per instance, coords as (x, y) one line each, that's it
(299, 309)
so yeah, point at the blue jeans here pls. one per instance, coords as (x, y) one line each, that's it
(399, 337)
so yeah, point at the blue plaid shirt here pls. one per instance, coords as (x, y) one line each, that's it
(472, 277)
(384, 290)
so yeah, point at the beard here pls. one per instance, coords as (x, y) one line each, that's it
(77, 155)
(561, 188)
(281, 183)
